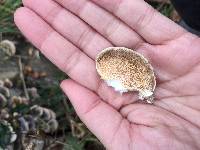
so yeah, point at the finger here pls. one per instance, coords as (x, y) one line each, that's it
(106, 24)
(70, 26)
(67, 57)
(60, 51)
(141, 17)
(104, 121)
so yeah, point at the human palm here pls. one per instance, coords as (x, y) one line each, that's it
(71, 33)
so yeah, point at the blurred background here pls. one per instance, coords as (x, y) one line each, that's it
(34, 113)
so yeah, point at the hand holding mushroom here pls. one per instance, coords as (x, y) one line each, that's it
(126, 70)
(72, 33)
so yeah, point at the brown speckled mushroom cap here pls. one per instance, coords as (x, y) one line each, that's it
(129, 67)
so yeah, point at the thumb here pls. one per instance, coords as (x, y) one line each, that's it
(99, 117)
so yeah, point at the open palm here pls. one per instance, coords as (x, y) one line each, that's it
(71, 33)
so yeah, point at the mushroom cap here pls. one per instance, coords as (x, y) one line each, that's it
(129, 67)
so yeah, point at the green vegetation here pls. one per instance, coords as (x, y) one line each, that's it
(7, 8)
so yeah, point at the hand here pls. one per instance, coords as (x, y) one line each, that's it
(71, 33)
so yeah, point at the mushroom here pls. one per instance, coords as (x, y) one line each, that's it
(127, 70)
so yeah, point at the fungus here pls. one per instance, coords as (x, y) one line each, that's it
(127, 70)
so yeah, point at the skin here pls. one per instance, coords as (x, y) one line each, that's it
(71, 33)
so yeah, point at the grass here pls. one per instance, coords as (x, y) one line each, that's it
(7, 8)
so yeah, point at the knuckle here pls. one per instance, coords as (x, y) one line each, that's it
(85, 38)
(51, 14)
(71, 61)
(100, 87)
(145, 18)
(96, 103)
(112, 27)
